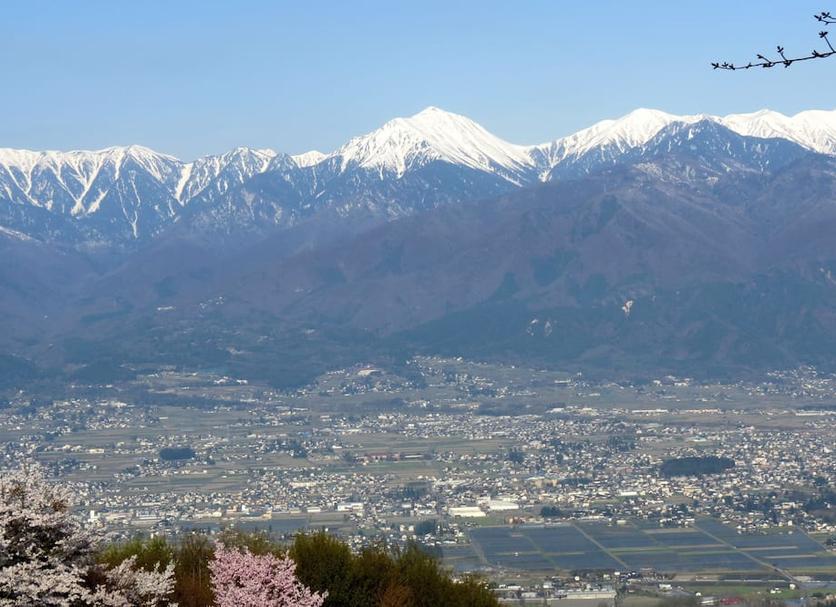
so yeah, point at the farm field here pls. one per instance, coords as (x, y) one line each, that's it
(709, 548)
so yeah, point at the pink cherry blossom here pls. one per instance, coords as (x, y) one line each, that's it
(242, 579)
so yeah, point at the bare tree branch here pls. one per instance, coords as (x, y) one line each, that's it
(766, 62)
(825, 17)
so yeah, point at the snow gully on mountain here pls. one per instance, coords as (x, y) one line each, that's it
(136, 184)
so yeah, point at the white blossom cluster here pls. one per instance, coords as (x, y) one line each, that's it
(48, 560)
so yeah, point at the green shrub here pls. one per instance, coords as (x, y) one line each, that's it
(191, 570)
(148, 552)
(374, 577)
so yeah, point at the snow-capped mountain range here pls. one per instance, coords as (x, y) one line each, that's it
(650, 243)
(127, 194)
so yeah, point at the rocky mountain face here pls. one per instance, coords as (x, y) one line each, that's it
(687, 256)
(124, 197)
(696, 244)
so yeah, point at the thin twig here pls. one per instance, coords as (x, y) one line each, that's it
(823, 17)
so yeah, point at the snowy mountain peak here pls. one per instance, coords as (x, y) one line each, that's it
(308, 159)
(610, 137)
(763, 123)
(215, 175)
(640, 125)
(131, 192)
(813, 129)
(430, 135)
(607, 140)
(140, 151)
(431, 110)
(243, 151)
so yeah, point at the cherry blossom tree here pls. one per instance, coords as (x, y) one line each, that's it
(48, 559)
(130, 586)
(242, 579)
(44, 554)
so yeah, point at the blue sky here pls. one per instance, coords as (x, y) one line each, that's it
(191, 78)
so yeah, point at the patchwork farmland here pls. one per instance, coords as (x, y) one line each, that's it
(709, 547)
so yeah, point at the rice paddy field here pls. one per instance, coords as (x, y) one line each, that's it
(708, 548)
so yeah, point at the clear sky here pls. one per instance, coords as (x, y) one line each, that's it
(197, 77)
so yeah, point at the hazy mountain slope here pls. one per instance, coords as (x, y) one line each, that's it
(37, 282)
(638, 266)
(688, 247)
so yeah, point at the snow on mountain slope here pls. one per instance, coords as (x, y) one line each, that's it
(220, 173)
(433, 157)
(608, 140)
(431, 135)
(813, 129)
(609, 136)
(309, 159)
(13, 234)
(603, 143)
(113, 195)
(75, 182)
